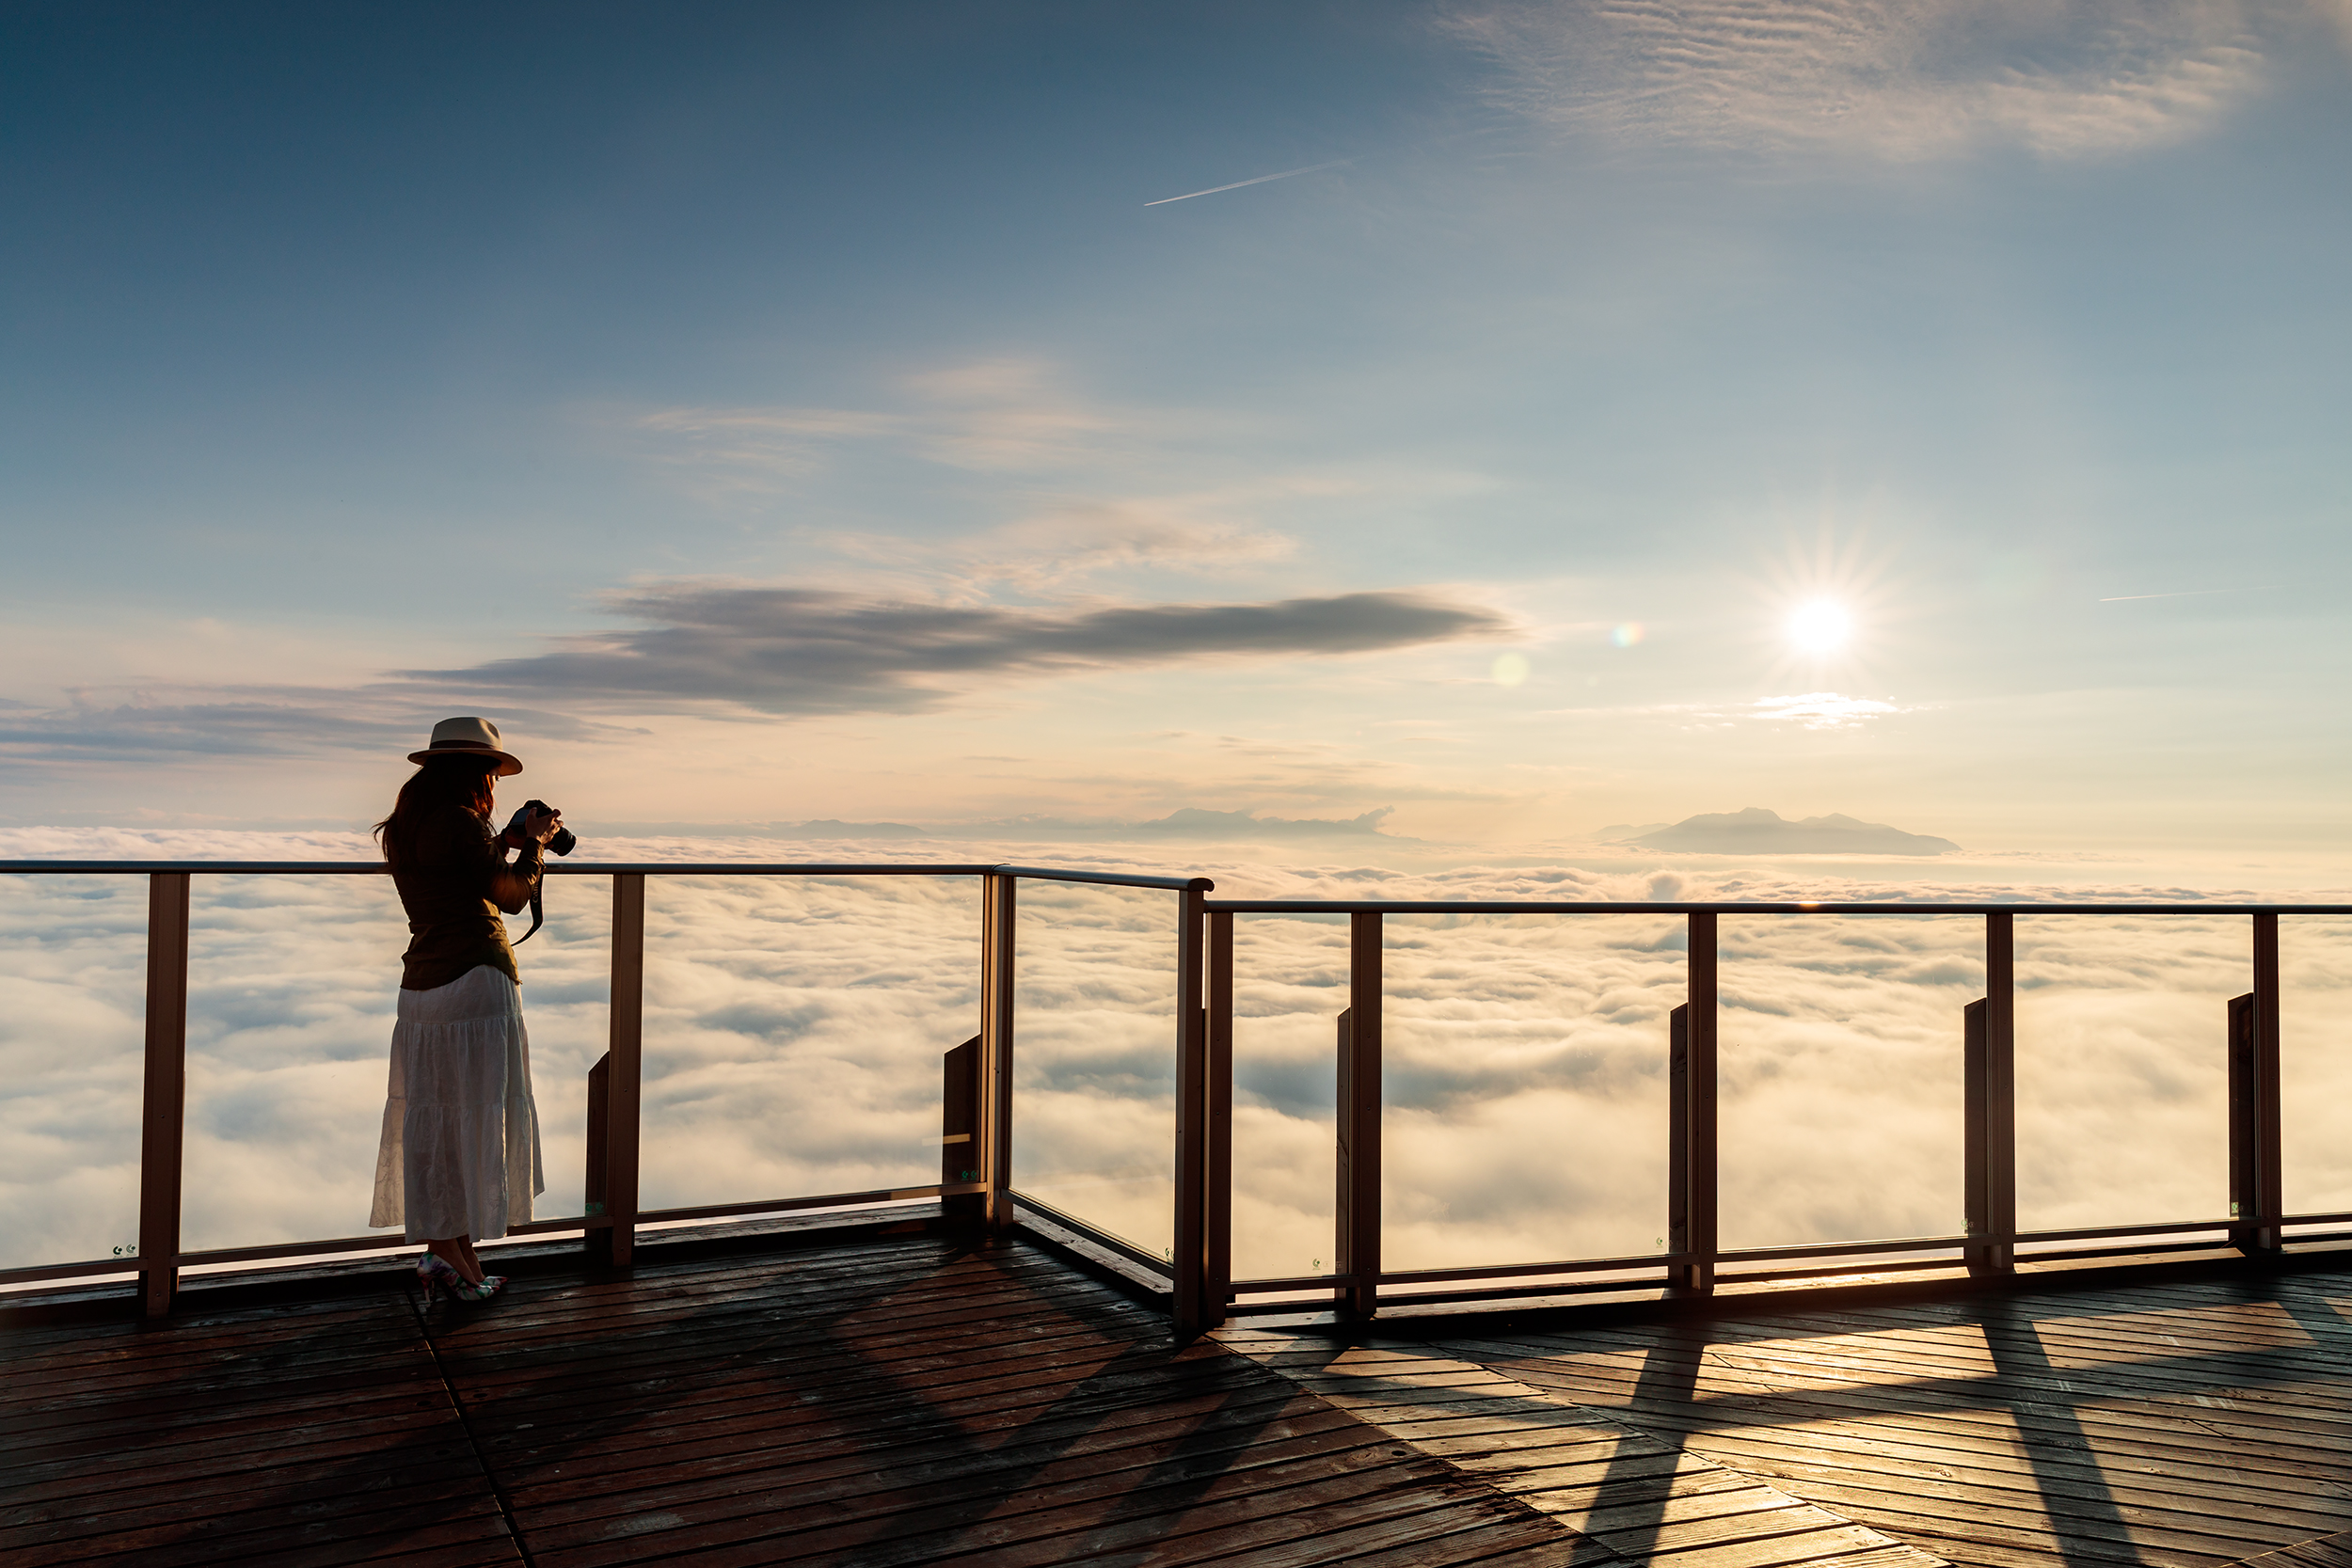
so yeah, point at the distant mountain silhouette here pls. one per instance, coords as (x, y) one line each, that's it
(1757, 832)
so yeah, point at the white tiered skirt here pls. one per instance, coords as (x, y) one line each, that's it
(460, 1155)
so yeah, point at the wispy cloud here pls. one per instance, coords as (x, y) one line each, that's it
(152, 723)
(1259, 179)
(1879, 78)
(1821, 710)
(804, 651)
(997, 415)
(1813, 710)
(722, 648)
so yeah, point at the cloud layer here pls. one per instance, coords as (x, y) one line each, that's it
(1877, 78)
(794, 1027)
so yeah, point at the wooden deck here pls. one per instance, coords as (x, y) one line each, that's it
(911, 1398)
(906, 1401)
(2176, 1424)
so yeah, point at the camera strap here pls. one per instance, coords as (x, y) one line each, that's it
(539, 918)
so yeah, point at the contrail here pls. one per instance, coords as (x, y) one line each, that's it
(2190, 594)
(1259, 181)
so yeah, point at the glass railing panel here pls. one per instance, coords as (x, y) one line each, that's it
(566, 973)
(292, 984)
(1094, 1056)
(2315, 1063)
(1290, 983)
(2122, 1066)
(1839, 1073)
(73, 1012)
(1525, 1087)
(794, 1031)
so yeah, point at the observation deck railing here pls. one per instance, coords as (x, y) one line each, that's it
(979, 1125)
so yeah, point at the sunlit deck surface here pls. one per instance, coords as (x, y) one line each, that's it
(915, 1398)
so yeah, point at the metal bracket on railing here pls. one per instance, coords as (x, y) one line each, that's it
(163, 1109)
(1691, 1180)
(1989, 1106)
(1356, 1246)
(1217, 1225)
(625, 1069)
(2256, 1195)
(960, 1113)
(1190, 1300)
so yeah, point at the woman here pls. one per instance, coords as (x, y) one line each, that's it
(460, 1157)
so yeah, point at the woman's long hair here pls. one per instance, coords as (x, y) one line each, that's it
(446, 783)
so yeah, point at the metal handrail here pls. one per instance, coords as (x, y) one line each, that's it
(1536, 905)
(607, 868)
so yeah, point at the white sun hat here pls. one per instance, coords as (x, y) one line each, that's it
(469, 738)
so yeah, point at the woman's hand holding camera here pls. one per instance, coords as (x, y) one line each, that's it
(532, 822)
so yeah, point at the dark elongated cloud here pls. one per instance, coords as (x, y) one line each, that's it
(782, 651)
(798, 649)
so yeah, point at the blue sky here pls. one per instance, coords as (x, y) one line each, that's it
(778, 413)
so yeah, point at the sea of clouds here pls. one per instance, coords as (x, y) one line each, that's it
(794, 1027)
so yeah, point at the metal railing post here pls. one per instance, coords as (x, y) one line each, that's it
(1189, 1257)
(163, 1109)
(1975, 1168)
(997, 907)
(1698, 1275)
(1356, 1248)
(597, 1242)
(626, 1056)
(1677, 1141)
(2256, 1196)
(959, 1115)
(1989, 1111)
(1217, 1221)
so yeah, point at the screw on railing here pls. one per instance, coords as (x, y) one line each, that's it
(164, 1103)
(2256, 1192)
(626, 1059)
(997, 907)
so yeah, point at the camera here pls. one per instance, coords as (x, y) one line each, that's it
(565, 841)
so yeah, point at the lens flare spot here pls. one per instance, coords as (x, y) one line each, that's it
(1627, 635)
(1820, 626)
(1511, 669)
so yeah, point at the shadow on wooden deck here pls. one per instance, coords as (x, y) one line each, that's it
(898, 1400)
(2185, 1423)
(879, 1398)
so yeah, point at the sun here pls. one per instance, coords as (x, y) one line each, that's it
(1819, 627)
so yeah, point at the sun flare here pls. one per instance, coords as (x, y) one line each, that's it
(1819, 627)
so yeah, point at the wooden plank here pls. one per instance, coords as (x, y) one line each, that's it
(898, 1402)
(1767, 1436)
(1722, 1376)
(1409, 1392)
(1861, 1503)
